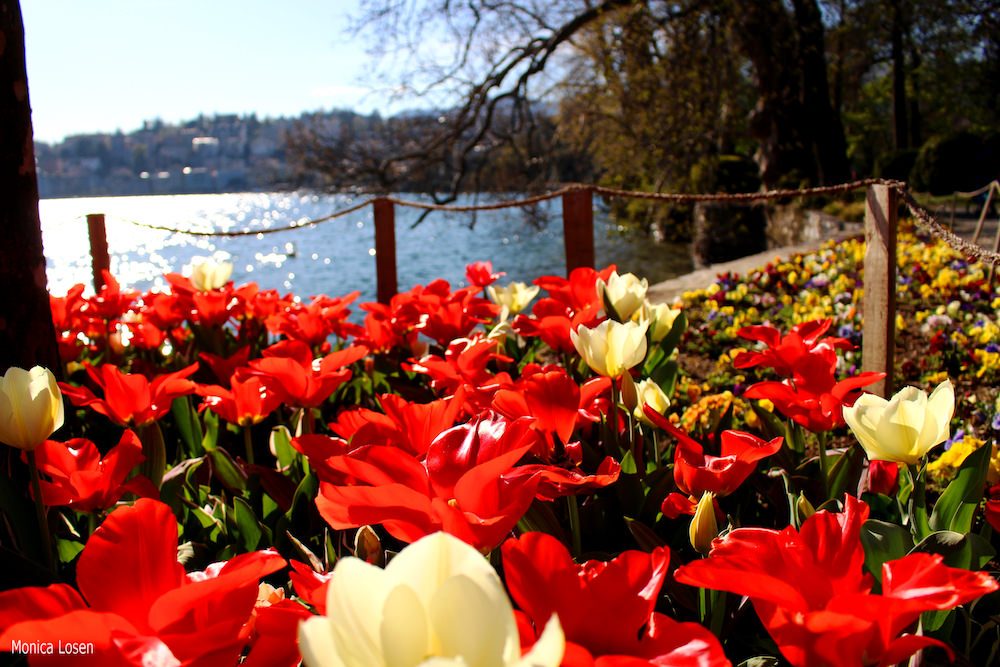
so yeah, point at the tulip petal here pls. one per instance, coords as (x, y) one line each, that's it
(405, 631)
(549, 649)
(355, 601)
(317, 643)
(470, 621)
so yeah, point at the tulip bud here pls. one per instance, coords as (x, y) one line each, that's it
(649, 393)
(804, 508)
(368, 546)
(31, 407)
(704, 528)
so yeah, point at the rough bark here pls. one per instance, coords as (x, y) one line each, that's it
(784, 154)
(27, 337)
(822, 122)
(900, 127)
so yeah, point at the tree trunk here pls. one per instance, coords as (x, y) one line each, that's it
(820, 120)
(768, 39)
(900, 127)
(27, 337)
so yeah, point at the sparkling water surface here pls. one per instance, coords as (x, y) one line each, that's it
(334, 257)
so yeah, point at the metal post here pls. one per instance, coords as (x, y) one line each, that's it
(385, 248)
(879, 310)
(578, 228)
(100, 260)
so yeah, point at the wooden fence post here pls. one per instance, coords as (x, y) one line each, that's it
(385, 248)
(578, 228)
(879, 311)
(100, 260)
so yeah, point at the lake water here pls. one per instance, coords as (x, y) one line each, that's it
(332, 258)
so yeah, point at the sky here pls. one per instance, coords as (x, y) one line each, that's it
(105, 65)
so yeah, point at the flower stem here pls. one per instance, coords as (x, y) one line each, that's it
(43, 524)
(824, 465)
(919, 524)
(574, 525)
(248, 444)
(613, 414)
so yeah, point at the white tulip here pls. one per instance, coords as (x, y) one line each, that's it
(904, 428)
(31, 407)
(207, 274)
(625, 293)
(438, 602)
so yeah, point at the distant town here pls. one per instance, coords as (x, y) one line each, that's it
(221, 153)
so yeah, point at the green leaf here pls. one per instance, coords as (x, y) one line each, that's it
(304, 494)
(68, 550)
(188, 424)
(845, 471)
(666, 376)
(673, 337)
(628, 464)
(771, 424)
(956, 507)
(210, 439)
(227, 471)
(246, 524)
(883, 541)
(155, 451)
(644, 536)
(966, 551)
(281, 441)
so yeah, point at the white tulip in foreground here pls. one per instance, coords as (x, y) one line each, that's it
(437, 603)
(904, 428)
(31, 407)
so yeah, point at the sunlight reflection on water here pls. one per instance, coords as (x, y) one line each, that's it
(334, 257)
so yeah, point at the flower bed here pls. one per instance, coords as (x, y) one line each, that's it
(633, 473)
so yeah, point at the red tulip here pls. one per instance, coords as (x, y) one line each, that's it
(818, 406)
(606, 609)
(992, 510)
(810, 395)
(83, 481)
(310, 585)
(465, 365)
(794, 353)
(480, 274)
(224, 367)
(140, 606)
(549, 396)
(246, 403)
(696, 472)
(409, 426)
(579, 291)
(883, 477)
(131, 399)
(314, 323)
(111, 302)
(301, 380)
(811, 593)
(460, 489)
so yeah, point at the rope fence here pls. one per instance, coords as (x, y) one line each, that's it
(882, 204)
(924, 218)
